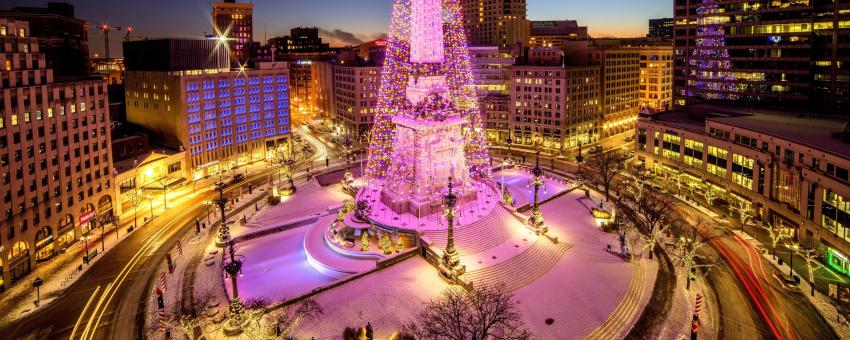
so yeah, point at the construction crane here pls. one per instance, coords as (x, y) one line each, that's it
(106, 28)
(127, 35)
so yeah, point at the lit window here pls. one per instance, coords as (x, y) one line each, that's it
(14, 119)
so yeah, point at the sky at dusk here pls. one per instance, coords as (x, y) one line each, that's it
(342, 22)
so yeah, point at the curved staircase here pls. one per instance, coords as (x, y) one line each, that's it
(522, 269)
(489, 232)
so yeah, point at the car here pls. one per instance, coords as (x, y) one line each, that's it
(629, 138)
(594, 149)
(237, 178)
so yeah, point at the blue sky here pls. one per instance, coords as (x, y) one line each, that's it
(363, 19)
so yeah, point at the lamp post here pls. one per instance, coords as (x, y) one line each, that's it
(536, 218)
(233, 269)
(86, 240)
(223, 229)
(450, 264)
(507, 198)
(793, 249)
(37, 285)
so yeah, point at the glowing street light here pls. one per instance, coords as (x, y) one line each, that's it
(536, 218)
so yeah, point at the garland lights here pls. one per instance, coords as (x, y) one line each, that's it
(710, 60)
(392, 100)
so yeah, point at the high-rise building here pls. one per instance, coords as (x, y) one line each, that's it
(501, 23)
(656, 78)
(620, 88)
(788, 53)
(235, 22)
(356, 83)
(553, 33)
(553, 106)
(62, 38)
(55, 158)
(661, 28)
(221, 117)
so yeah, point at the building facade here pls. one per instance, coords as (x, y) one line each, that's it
(491, 69)
(554, 107)
(789, 53)
(788, 170)
(501, 23)
(554, 33)
(62, 38)
(356, 89)
(55, 156)
(221, 117)
(235, 22)
(661, 28)
(620, 88)
(656, 78)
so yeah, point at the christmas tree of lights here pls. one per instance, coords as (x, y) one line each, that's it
(415, 51)
(710, 64)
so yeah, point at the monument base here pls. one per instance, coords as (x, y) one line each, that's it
(424, 206)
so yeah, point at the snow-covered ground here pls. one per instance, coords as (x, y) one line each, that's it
(585, 287)
(386, 299)
(519, 183)
(310, 199)
(579, 293)
(276, 267)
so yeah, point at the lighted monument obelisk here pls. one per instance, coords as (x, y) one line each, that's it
(428, 125)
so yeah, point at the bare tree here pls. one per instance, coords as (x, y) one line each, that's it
(710, 196)
(744, 211)
(650, 214)
(185, 317)
(687, 247)
(777, 233)
(479, 314)
(810, 253)
(605, 166)
(263, 321)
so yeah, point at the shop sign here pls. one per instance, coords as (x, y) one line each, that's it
(87, 216)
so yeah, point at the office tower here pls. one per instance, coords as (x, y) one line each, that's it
(501, 23)
(223, 118)
(55, 158)
(235, 22)
(661, 28)
(62, 38)
(786, 53)
(620, 87)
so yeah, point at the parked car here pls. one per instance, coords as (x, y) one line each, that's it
(594, 149)
(630, 138)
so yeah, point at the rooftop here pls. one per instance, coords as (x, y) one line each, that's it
(822, 133)
(818, 132)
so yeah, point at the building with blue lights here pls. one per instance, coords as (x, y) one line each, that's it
(223, 118)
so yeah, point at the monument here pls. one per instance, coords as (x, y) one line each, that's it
(428, 125)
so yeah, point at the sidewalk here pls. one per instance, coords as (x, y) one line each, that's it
(58, 273)
(822, 303)
(197, 271)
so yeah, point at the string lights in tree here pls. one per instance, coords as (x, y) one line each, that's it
(710, 64)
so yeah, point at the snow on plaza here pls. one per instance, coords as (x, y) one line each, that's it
(429, 212)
